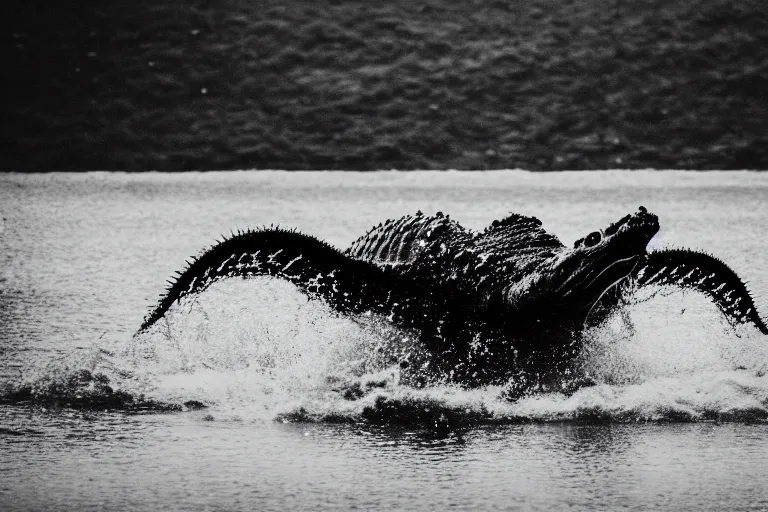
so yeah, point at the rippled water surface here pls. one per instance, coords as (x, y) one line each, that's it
(677, 420)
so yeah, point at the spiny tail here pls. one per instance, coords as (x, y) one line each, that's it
(704, 273)
(314, 266)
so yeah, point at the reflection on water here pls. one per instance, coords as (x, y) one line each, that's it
(299, 412)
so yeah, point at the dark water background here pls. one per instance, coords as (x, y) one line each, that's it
(338, 84)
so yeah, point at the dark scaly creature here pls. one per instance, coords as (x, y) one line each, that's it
(509, 302)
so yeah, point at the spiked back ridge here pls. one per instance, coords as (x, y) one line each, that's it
(517, 235)
(403, 240)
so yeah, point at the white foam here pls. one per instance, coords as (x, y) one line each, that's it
(258, 350)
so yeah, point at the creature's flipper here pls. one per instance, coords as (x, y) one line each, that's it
(705, 273)
(315, 267)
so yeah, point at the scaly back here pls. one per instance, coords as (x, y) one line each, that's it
(517, 240)
(404, 240)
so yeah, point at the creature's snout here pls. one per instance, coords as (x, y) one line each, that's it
(641, 221)
(646, 222)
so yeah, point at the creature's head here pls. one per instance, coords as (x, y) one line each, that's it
(573, 280)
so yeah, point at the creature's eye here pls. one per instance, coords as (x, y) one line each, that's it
(592, 239)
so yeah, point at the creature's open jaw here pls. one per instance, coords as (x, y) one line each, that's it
(617, 269)
(596, 281)
(609, 277)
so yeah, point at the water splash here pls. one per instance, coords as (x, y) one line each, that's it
(258, 350)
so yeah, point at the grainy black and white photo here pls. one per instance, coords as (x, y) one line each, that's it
(398, 255)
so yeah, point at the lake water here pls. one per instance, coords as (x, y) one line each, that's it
(677, 420)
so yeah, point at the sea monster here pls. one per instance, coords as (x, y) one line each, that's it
(506, 304)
